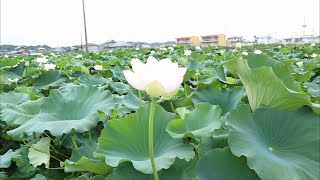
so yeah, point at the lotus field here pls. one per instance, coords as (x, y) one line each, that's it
(174, 113)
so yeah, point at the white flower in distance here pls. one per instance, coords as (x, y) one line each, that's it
(152, 52)
(137, 49)
(157, 78)
(198, 47)
(238, 45)
(13, 80)
(110, 51)
(314, 55)
(49, 66)
(245, 53)
(171, 48)
(42, 60)
(313, 44)
(98, 67)
(79, 56)
(257, 51)
(187, 52)
(300, 64)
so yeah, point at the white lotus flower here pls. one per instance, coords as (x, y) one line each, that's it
(49, 66)
(313, 44)
(171, 48)
(79, 56)
(245, 53)
(163, 49)
(257, 52)
(42, 59)
(157, 78)
(152, 52)
(13, 80)
(137, 49)
(198, 47)
(314, 55)
(300, 64)
(110, 51)
(6, 56)
(187, 52)
(98, 67)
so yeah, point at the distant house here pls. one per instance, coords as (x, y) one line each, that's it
(41, 50)
(191, 40)
(304, 39)
(92, 47)
(263, 39)
(23, 51)
(116, 44)
(234, 40)
(213, 40)
(57, 50)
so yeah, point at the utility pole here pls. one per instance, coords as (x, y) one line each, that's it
(81, 41)
(85, 26)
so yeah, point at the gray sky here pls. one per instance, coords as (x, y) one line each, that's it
(60, 23)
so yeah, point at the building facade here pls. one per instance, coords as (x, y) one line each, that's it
(234, 40)
(192, 40)
(213, 40)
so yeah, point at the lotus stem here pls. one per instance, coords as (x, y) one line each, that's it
(140, 98)
(74, 142)
(185, 89)
(172, 107)
(89, 133)
(151, 152)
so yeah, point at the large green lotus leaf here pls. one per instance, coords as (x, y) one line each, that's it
(219, 139)
(39, 153)
(96, 79)
(263, 87)
(12, 98)
(15, 115)
(279, 69)
(221, 164)
(219, 73)
(7, 63)
(178, 171)
(126, 139)
(39, 177)
(48, 79)
(5, 159)
(119, 87)
(82, 159)
(128, 103)
(278, 144)
(17, 71)
(28, 90)
(227, 99)
(23, 165)
(3, 175)
(200, 122)
(312, 88)
(61, 112)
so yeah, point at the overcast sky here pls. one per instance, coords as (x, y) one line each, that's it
(60, 22)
